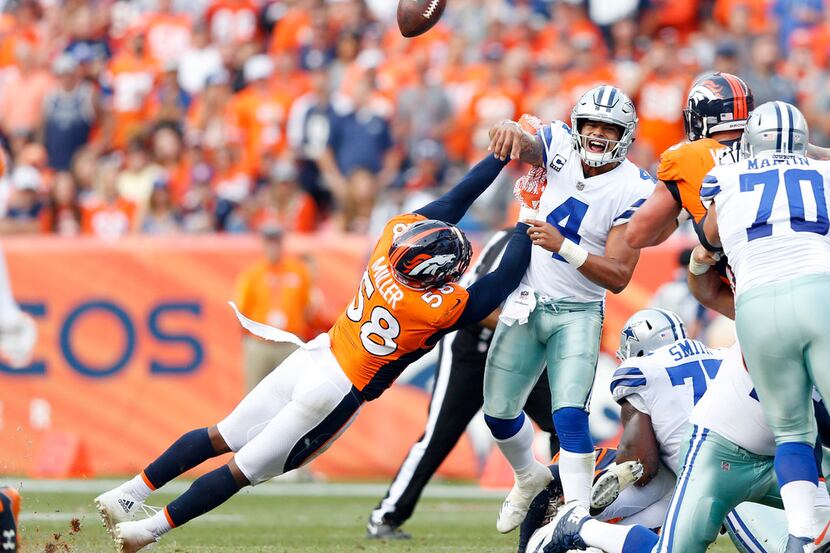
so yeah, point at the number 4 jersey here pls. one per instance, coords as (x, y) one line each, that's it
(772, 217)
(584, 210)
(387, 325)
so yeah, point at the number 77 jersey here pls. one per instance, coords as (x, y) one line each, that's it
(387, 326)
(772, 217)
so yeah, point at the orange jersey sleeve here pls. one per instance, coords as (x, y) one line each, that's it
(387, 326)
(683, 166)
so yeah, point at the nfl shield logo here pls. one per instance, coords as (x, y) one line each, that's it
(580, 185)
(724, 466)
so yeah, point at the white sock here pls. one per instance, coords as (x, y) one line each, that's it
(576, 470)
(137, 488)
(158, 524)
(608, 537)
(799, 498)
(518, 449)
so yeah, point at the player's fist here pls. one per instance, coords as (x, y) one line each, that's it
(506, 139)
(702, 259)
(545, 235)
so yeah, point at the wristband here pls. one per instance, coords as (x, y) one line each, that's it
(573, 253)
(697, 268)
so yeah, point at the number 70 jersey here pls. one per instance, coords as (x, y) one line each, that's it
(772, 217)
(387, 326)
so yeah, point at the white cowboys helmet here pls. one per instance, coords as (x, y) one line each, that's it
(608, 104)
(775, 127)
(648, 330)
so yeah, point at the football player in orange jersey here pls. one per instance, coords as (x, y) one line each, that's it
(717, 109)
(407, 300)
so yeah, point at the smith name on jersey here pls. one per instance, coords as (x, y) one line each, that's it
(666, 385)
(583, 210)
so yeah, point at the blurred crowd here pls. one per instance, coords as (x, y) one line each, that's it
(192, 116)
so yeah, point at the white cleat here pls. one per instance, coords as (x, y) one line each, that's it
(618, 477)
(132, 536)
(117, 506)
(514, 509)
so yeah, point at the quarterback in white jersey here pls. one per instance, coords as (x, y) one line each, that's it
(555, 316)
(769, 212)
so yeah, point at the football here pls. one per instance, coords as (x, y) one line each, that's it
(415, 17)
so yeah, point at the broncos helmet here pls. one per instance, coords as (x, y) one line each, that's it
(429, 253)
(775, 127)
(717, 102)
(648, 330)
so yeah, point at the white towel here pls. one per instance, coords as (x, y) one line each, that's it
(276, 335)
(518, 306)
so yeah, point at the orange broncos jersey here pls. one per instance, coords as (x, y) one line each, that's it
(683, 166)
(387, 326)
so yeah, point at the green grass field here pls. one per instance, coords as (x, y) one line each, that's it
(300, 522)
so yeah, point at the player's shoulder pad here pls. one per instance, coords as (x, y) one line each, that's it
(674, 161)
(711, 185)
(629, 378)
(557, 144)
(451, 307)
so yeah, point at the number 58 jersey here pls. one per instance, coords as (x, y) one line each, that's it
(772, 217)
(387, 326)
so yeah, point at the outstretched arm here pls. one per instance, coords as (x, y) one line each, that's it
(488, 293)
(452, 206)
(655, 220)
(508, 140)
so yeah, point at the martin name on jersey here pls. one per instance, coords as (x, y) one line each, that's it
(583, 210)
(666, 385)
(771, 208)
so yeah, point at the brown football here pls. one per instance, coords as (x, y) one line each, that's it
(415, 17)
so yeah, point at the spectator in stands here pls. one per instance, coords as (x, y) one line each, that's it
(763, 77)
(135, 181)
(161, 217)
(285, 204)
(360, 159)
(25, 205)
(309, 126)
(199, 62)
(22, 94)
(69, 113)
(106, 214)
(423, 107)
(62, 214)
(275, 291)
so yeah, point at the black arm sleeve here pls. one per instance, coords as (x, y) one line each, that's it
(452, 206)
(490, 291)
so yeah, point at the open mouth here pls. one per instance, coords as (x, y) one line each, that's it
(596, 146)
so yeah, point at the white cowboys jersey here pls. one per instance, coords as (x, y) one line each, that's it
(731, 408)
(584, 210)
(665, 385)
(772, 217)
